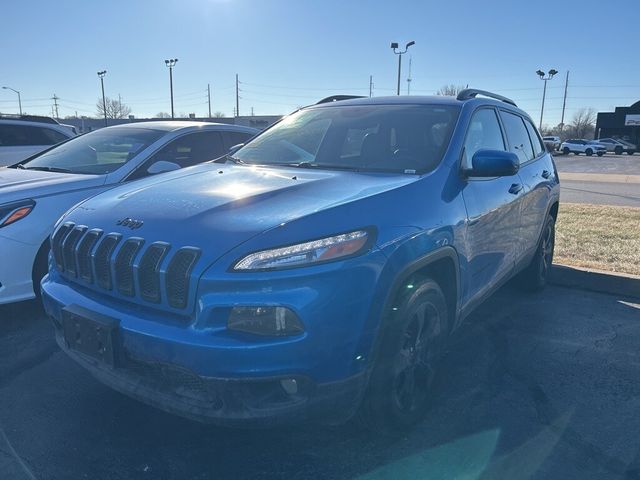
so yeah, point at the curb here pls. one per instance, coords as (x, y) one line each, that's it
(596, 280)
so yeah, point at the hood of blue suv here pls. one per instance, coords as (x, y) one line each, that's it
(217, 207)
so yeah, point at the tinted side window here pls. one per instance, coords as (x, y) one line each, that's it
(191, 149)
(538, 146)
(234, 138)
(517, 136)
(483, 133)
(27, 135)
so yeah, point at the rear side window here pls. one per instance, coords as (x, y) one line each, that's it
(191, 149)
(235, 138)
(538, 146)
(484, 133)
(517, 135)
(27, 135)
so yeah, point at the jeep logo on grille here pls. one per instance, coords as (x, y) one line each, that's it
(130, 222)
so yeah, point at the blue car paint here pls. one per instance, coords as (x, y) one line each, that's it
(229, 211)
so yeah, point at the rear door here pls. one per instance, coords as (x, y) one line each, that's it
(493, 210)
(536, 171)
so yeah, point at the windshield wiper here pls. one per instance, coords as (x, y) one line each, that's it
(230, 158)
(49, 169)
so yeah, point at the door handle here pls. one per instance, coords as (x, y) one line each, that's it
(546, 174)
(515, 188)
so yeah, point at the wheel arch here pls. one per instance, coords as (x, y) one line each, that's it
(41, 256)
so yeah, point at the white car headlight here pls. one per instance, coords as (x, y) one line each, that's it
(302, 254)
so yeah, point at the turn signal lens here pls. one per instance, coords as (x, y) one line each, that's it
(14, 213)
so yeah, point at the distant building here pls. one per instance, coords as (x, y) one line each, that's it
(624, 123)
(84, 124)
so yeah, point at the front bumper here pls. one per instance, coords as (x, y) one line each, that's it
(249, 402)
(16, 265)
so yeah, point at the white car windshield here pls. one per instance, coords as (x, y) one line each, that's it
(96, 153)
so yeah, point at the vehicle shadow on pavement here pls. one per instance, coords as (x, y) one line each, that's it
(533, 386)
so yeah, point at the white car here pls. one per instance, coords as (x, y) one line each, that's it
(617, 146)
(24, 135)
(588, 147)
(36, 192)
(552, 142)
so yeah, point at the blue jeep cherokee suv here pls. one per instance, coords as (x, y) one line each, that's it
(317, 270)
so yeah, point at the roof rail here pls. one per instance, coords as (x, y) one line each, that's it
(337, 98)
(28, 118)
(469, 93)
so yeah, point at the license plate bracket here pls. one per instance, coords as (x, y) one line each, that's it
(91, 334)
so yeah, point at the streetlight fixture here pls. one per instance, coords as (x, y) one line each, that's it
(19, 100)
(101, 74)
(545, 77)
(394, 46)
(171, 63)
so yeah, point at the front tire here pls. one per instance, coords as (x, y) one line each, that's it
(566, 151)
(413, 342)
(618, 151)
(630, 152)
(534, 277)
(600, 154)
(589, 152)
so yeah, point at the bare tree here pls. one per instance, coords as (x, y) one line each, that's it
(162, 115)
(450, 90)
(583, 123)
(218, 114)
(115, 108)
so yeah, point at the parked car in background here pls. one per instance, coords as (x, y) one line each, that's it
(34, 193)
(24, 135)
(552, 143)
(578, 146)
(617, 146)
(317, 270)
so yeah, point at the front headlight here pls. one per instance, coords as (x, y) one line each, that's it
(303, 254)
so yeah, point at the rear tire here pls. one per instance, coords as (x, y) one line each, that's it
(630, 152)
(534, 277)
(618, 151)
(600, 154)
(414, 339)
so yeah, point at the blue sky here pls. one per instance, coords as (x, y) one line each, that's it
(292, 52)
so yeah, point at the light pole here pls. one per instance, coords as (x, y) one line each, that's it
(19, 100)
(101, 74)
(394, 46)
(171, 63)
(544, 77)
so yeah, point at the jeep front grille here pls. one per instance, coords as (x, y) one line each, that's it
(120, 265)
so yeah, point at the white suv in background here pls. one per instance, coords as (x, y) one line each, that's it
(588, 147)
(24, 135)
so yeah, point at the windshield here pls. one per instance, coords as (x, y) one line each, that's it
(389, 138)
(98, 152)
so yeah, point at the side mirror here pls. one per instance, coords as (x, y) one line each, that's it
(235, 148)
(162, 166)
(493, 163)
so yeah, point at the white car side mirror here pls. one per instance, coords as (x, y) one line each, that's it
(162, 166)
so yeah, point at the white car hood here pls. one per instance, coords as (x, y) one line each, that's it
(18, 184)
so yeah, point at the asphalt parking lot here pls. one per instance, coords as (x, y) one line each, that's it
(541, 386)
(607, 180)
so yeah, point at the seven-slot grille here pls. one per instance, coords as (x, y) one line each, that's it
(109, 262)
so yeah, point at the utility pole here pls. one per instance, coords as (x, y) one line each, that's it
(409, 78)
(55, 99)
(101, 74)
(370, 85)
(564, 100)
(237, 97)
(209, 98)
(252, 111)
